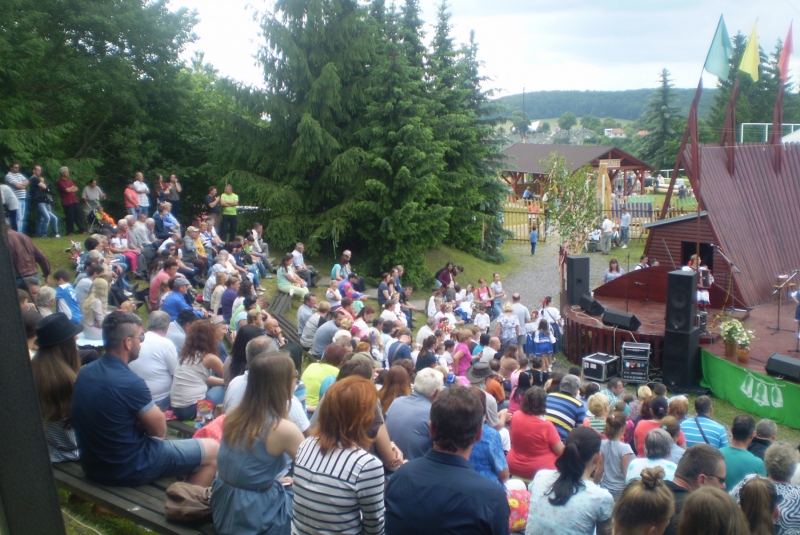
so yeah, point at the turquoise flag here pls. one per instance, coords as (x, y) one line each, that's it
(718, 61)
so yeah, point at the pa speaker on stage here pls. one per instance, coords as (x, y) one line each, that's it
(623, 320)
(784, 366)
(577, 278)
(681, 301)
(590, 306)
(680, 360)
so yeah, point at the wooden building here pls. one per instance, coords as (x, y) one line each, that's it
(523, 168)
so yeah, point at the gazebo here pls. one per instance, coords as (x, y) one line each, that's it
(523, 168)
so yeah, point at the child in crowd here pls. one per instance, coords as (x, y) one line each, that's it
(465, 305)
(449, 347)
(477, 351)
(434, 302)
(66, 299)
(622, 406)
(617, 455)
(333, 296)
(440, 357)
(494, 386)
(544, 340)
(523, 366)
(539, 373)
(482, 320)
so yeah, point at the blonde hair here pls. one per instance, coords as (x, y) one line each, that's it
(598, 404)
(644, 393)
(98, 292)
(323, 307)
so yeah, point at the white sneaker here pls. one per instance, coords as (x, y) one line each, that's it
(58, 235)
(624, 247)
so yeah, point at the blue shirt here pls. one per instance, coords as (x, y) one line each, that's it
(566, 413)
(534, 236)
(395, 352)
(408, 423)
(67, 296)
(488, 457)
(174, 303)
(442, 493)
(625, 220)
(106, 403)
(715, 432)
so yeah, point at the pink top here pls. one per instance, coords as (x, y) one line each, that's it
(466, 360)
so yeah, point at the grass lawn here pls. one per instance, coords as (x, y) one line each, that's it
(474, 268)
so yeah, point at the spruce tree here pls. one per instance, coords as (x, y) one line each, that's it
(662, 122)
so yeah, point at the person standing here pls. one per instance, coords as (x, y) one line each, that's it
(69, 202)
(10, 205)
(173, 194)
(534, 240)
(523, 315)
(143, 191)
(498, 295)
(131, 199)
(19, 184)
(607, 228)
(213, 208)
(91, 196)
(42, 197)
(26, 256)
(624, 228)
(229, 201)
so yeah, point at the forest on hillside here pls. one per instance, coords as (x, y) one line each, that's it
(629, 104)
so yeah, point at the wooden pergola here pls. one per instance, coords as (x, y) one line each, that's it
(523, 165)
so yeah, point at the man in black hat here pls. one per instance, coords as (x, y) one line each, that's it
(120, 430)
(477, 375)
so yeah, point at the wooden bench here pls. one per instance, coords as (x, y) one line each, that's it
(288, 329)
(280, 303)
(143, 505)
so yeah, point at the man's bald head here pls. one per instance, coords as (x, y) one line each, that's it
(271, 325)
(494, 343)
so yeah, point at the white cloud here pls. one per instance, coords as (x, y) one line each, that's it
(542, 45)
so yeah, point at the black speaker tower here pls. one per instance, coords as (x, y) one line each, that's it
(680, 360)
(577, 278)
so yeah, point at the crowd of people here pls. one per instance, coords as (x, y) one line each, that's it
(463, 426)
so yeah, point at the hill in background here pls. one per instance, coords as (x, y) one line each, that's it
(628, 104)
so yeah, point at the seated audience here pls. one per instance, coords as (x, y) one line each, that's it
(199, 372)
(317, 372)
(617, 455)
(701, 466)
(440, 492)
(336, 481)
(487, 456)
(258, 441)
(711, 511)
(738, 461)
(645, 506)
(535, 443)
(158, 359)
(713, 433)
(766, 433)
(408, 420)
(759, 502)
(119, 429)
(780, 461)
(564, 408)
(55, 367)
(94, 309)
(396, 384)
(658, 410)
(566, 500)
(657, 447)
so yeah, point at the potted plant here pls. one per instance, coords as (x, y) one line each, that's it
(735, 336)
(743, 339)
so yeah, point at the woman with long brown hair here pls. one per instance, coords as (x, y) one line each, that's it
(396, 384)
(199, 374)
(336, 480)
(258, 443)
(55, 368)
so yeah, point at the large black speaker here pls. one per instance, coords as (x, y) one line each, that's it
(784, 366)
(681, 301)
(623, 320)
(680, 360)
(577, 278)
(590, 306)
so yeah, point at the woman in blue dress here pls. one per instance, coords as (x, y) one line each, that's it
(543, 344)
(249, 494)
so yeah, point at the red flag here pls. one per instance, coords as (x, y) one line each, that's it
(783, 62)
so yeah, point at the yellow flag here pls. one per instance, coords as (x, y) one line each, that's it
(751, 57)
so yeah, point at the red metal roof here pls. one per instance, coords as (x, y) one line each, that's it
(755, 213)
(525, 157)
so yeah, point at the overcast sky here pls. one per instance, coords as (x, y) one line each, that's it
(543, 44)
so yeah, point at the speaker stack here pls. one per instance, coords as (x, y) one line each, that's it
(680, 360)
(577, 278)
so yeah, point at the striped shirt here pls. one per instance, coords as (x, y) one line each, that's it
(338, 492)
(715, 432)
(565, 412)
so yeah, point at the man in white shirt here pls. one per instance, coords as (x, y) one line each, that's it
(143, 191)
(157, 360)
(426, 330)
(523, 315)
(608, 230)
(19, 185)
(308, 273)
(624, 228)
(491, 350)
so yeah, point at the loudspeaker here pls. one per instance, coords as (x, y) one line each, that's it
(680, 360)
(590, 306)
(784, 366)
(623, 320)
(577, 278)
(681, 301)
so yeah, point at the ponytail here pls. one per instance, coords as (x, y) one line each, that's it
(581, 445)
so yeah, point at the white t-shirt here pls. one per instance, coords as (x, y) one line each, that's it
(607, 226)
(156, 364)
(235, 393)
(297, 259)
(482, 321)
(388, 315)
(431, 307)
(423, 333)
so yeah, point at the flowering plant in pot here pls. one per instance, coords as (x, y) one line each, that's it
(735, 336)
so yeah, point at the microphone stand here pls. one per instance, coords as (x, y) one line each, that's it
(669, 254)
(731, 270)
(779, 291)
(627, 282)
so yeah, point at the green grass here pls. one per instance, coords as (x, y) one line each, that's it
(474, 268)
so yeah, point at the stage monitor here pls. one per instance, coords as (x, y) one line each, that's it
(623, 320)
(591, 307)
(783, 366)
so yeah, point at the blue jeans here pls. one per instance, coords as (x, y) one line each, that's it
(45, 219)
(624, 233)
(132, 210)
(215, 394)
(143, 210)
(496, 310)
(22, 215)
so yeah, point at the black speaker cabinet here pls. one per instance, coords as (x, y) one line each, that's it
(786, 367)
(590, 306)
(680, 360)
(623, 320)
(681, 301)
(577, 278)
